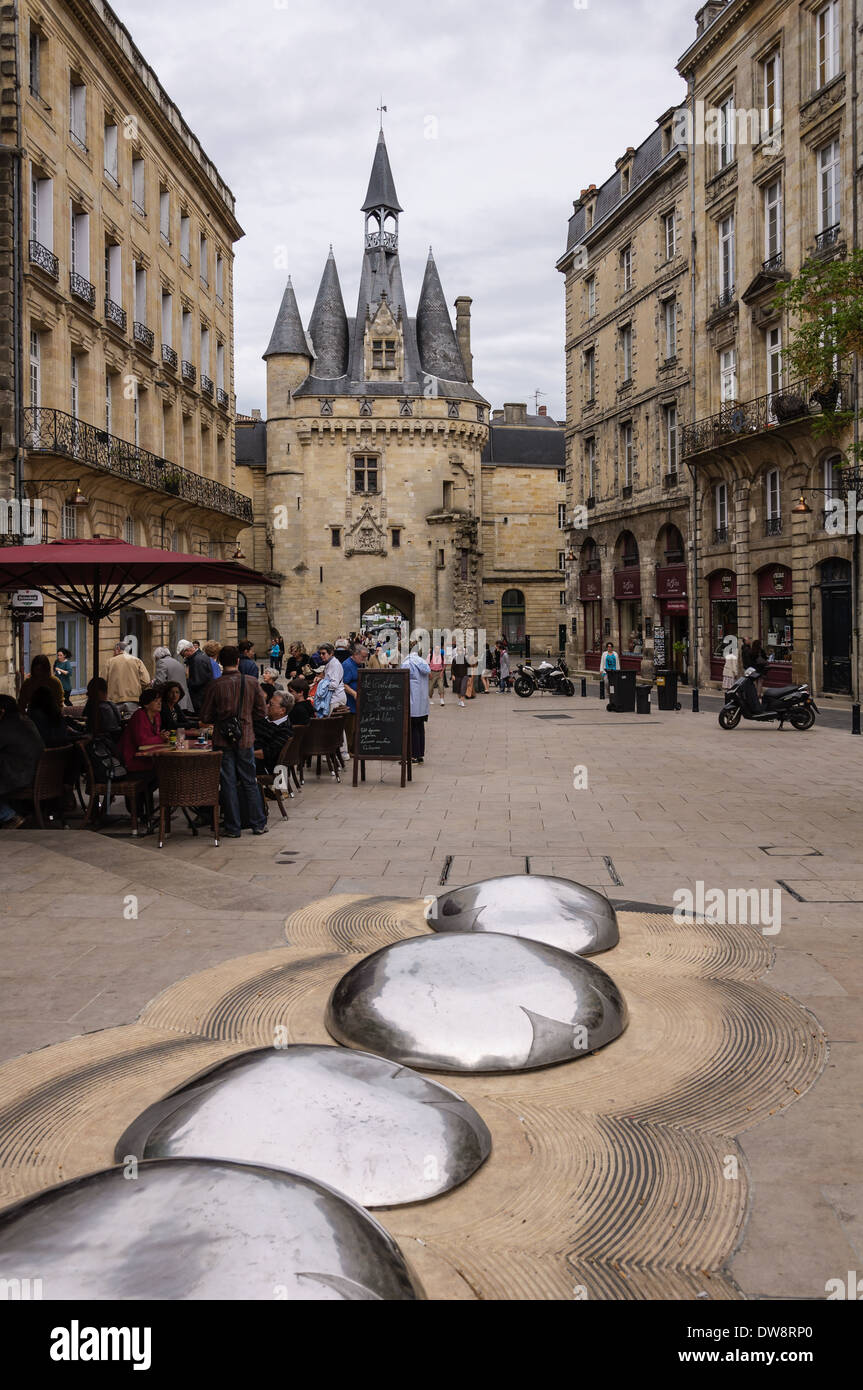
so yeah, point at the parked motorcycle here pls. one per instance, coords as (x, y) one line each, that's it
(552, 678)
(791, 702)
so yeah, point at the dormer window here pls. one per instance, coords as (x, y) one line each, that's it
(624, 182)
(384, 353)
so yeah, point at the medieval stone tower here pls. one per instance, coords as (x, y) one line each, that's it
(374, 438)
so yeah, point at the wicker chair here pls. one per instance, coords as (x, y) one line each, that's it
(49, 784)
(133, 788)
(188, 779)
(269, 779)
(324, 740)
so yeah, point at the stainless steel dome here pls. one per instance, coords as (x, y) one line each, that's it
(475, 1002)
(379, 1133)
(196, 1229)
(554, 910)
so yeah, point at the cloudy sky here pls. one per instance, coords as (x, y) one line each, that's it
(499, 113)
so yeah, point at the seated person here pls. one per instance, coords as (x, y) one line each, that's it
(101, 716)
(144, 730)
(173, 715)
(272, 733)
(271, 681)
(303, 711)
(51, 725)
(21, 747)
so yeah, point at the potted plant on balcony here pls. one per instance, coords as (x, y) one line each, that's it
(827, 396)
(171, 483)
(788, 405)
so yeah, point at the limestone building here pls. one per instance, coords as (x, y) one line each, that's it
(116, 346)
(374, 441)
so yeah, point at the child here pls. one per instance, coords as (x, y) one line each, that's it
(303, 711)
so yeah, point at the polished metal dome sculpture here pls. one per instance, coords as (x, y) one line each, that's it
(381, 1134)
(475, 1002)
(197, 1229)
(554, 910)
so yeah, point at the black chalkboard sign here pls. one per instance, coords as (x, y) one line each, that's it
(382, 730)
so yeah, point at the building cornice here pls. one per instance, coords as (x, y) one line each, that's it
(712, 36)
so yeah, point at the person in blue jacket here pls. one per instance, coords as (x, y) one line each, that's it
(419, 674)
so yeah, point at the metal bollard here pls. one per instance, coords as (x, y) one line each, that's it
(584, 687)
(601, 688)
(855, 719)
(695, 702)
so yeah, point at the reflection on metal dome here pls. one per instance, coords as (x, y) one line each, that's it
(476, 1002)
(195, 1229)
(554, 910)
(379, 1133)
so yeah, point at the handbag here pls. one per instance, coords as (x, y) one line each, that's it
(107, 767)
(230, 726)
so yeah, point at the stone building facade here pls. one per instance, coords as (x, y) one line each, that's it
(374, 441)
(118, 411)
(628, 321)
(758, 164)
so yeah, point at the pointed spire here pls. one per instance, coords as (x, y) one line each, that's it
(328, 326)
(288, 334)
(382, 189)
(438, 348)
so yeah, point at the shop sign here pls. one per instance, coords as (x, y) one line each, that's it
(676, 605)
(726, 583)
(779, 580)
(28, 606)
(671, 582)
(590, 586)
(627, 584)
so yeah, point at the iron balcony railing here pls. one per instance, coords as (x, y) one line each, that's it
(828, 238)
(773, 262)
(773, 526)
(188, 372)
(115, 314)
(143, 335)
(82, 289)
(54, 432)
(45, 259)
(720, 535)
(222, 398)
(726, 297)
(207, 386)
(737, 419)
(169, 356)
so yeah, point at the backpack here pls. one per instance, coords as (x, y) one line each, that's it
(323, 697)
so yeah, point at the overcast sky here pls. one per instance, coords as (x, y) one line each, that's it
(499, 113)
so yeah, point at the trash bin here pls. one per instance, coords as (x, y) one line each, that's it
(642, 699)
(621, 691)
(666, 690)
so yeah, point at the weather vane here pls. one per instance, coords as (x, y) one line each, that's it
(381, 110)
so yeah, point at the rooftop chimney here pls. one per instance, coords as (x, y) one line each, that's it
(462, 333)
(542, 410)
(514, 414)
(706, 15)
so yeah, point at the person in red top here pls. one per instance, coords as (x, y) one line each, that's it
(236, 695)
(144, 730)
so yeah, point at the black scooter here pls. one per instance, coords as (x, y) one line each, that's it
(791, 702)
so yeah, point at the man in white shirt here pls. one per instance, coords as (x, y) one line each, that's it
(126, 677)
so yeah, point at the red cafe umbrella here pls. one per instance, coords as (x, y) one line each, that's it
(100, 576)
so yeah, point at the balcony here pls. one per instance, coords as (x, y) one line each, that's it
(725, 300)
(207, 386)
(45, 259)
(143, 336)
(736, 420)
(169, 356)
(772, 264)
(222, 398)
(188, 372)
(82, 289)
(55, 432)
(114, 314)
(826, 240)
(773, 526)
(720, 535)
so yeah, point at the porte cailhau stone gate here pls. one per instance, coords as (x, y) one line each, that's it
(376, 444)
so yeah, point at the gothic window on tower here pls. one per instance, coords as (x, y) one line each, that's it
(384, 352)
(326, 407)
(366, 468)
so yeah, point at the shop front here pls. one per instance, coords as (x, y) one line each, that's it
(630, 620)
(836, 636)
(722, 595)
(674, 615)
(776, 622)
(590, 593)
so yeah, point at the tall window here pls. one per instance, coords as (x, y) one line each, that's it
(220, 278)
(626, 351)
(69, 522)
(139, 198)
(140, 294)
(384, 352)
(109, 404)
(186, 335)
(827, 37)
(220, 366)
(669, 226)
(590, 466)
(591, 297)
(185, 239)
(670, 412)
(726, 145)
(774, 359)
(114, 273)
(728, 375)
(136, 412)
(828, 186)
(167, 318)
(366, 472)
(73, 385)
(720, 495)
(561, 515)
(626, 268)
(80, 243)
(773, 220)
(110, 156)
(726, 256)
(165, 215)
(773, 496)
(36, 42)
(205, 351)
(669, 319)
(42, 211)
(204, 267)
(129, 531)
(35, 369)
(78, 112)
(833, 476)
(771, 73)
(627, 452)
(590, 374)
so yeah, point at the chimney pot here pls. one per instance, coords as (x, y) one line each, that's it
(514, 413)
(543, 410)
(256, 414)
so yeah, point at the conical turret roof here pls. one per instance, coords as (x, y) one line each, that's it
(382, 189)
(289, 336)
(328, 326)
(438, 348)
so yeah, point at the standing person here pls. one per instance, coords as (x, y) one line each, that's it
(334, 672)
(168, 668)
(21, 747)
(200, 674)
(436, 673)
(419, 670)
(729, 670)
(610, 660)
(127, 676)
(350, 673)
(211, 651)
(235, 696)
(248, 664)
(459, 673)
(276, 650)
(503, 670)
(63, 672)
(758, 659)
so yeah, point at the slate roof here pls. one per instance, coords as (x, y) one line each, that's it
(328, 326)
(382, 188)
(288, 333)
(251, 444)
(436, 340)
(526, 446)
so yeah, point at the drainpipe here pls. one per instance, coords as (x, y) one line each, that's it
(693, 468)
